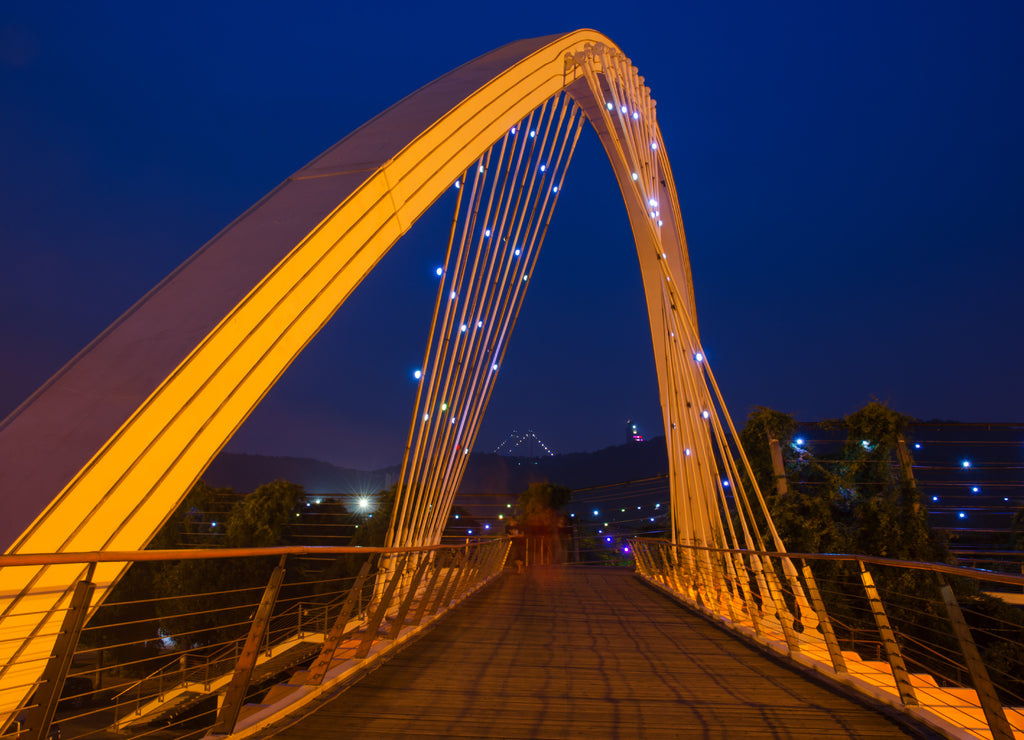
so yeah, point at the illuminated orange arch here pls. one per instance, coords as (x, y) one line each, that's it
(107, 448)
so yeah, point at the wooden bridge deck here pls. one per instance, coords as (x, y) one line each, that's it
(571, 652)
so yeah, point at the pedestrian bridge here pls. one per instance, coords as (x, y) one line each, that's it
(453, 640)
(98, 459)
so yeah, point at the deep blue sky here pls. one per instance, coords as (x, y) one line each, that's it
(850, 177)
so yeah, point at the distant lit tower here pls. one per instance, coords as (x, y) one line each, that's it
(631, 430)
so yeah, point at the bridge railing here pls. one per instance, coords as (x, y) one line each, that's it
(199, 641)
(933, 640)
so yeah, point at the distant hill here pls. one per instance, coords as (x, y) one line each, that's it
(485, 473)
(246, 473)
(493, 473)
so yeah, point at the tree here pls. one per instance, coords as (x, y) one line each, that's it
(539, 511)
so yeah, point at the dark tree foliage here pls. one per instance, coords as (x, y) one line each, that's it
(858, 500)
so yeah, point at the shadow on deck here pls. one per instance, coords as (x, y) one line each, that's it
(574, 652)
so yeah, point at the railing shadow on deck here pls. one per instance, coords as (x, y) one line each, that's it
(224, 660)
(928, 639)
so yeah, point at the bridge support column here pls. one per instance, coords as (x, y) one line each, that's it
(235, 694)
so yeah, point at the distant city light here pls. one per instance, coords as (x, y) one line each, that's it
(453, 295)
(688, 452)
(935, 499)
(487, 232)
(532, 134)
(513, 130)
(636, 117)
(463, 328)
(654, 145)
(364, 503)
(635, 177)
(471, 531)
(554, 189)
(417, 374)
(456, 516)
(966, 463)
(596, 512)
(607, 539)
(962, 515)
(725, 483)
(624, 109)
(458, 184)
(917, 445)
(699, 357)
(705, 413)
(800, 441)
(975, 489)
(517, 253)
(439, 271)
(609, 106)
(543, 168)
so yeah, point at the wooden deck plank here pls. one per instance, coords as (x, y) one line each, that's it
(576, 652)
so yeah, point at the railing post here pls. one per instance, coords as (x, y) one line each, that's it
(824, 623)
(990, 704)
(378, 616)
(468, 566)
(235, 694)
(442, 594)
(38, 719)
(892, 648)
(403, 609)
(428, 593)
(332, 639)
(781, 612)
(743, 571)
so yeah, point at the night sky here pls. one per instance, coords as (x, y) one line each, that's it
(851, 178)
